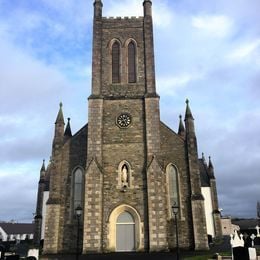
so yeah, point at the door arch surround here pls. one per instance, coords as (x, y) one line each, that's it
(112, 222)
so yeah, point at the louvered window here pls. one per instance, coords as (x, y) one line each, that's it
(131, 63)
(116, 63)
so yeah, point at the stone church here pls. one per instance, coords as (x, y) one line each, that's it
(125, 168)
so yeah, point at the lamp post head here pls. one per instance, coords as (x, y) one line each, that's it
(78, 211)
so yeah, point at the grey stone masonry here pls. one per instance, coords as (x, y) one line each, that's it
(216, 212)
(39, 205)
(156, 207)
(149, 49)
(52, 229)
(122, 30)
(96, 49)
(152, 118)
(199, 225)
(95, 127)
(197, 200)
(92, 229)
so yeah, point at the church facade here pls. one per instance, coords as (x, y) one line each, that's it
(125, 168)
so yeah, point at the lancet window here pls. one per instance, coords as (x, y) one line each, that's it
(173, 186)
(77, 189)
(131, 62)
(116, 62)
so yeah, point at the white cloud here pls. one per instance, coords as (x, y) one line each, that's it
(215, 25)
(170, 84)
(18, 179)
(250, 50)
(26, 81)
(162, 16)
(123, 8)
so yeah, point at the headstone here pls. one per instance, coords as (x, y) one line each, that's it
(258, 231)
(252, 253)
(33, 253)
(240, 253)
(236, 240)
(253, 238)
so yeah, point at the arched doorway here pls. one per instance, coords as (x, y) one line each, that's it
(125, 232)
(125, 229)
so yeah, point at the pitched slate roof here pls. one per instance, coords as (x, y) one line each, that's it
(17, 228)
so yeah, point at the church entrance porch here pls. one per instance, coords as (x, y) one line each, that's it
(125, 230)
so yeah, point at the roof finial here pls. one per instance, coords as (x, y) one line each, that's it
(43, 166)
(60, 118)
(210, 163)
(43, 169)
(188, 113)
(211, 169)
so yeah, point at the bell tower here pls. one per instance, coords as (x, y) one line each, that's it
(123, 123)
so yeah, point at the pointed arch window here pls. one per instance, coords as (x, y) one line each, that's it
(116, 62)
(173, 185)
(77, 189)
(131, 62)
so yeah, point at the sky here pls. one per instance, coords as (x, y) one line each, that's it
(206, 51)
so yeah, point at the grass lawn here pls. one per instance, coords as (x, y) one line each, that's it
(199, 257)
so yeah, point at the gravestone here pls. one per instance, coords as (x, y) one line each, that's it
(237, 240)
(253, 238)
(257, 239)
(258, 231)
(240, 253)
(33, 253)
(252, 253)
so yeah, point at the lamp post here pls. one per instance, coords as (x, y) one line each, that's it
(78, 212)
(175, 211)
